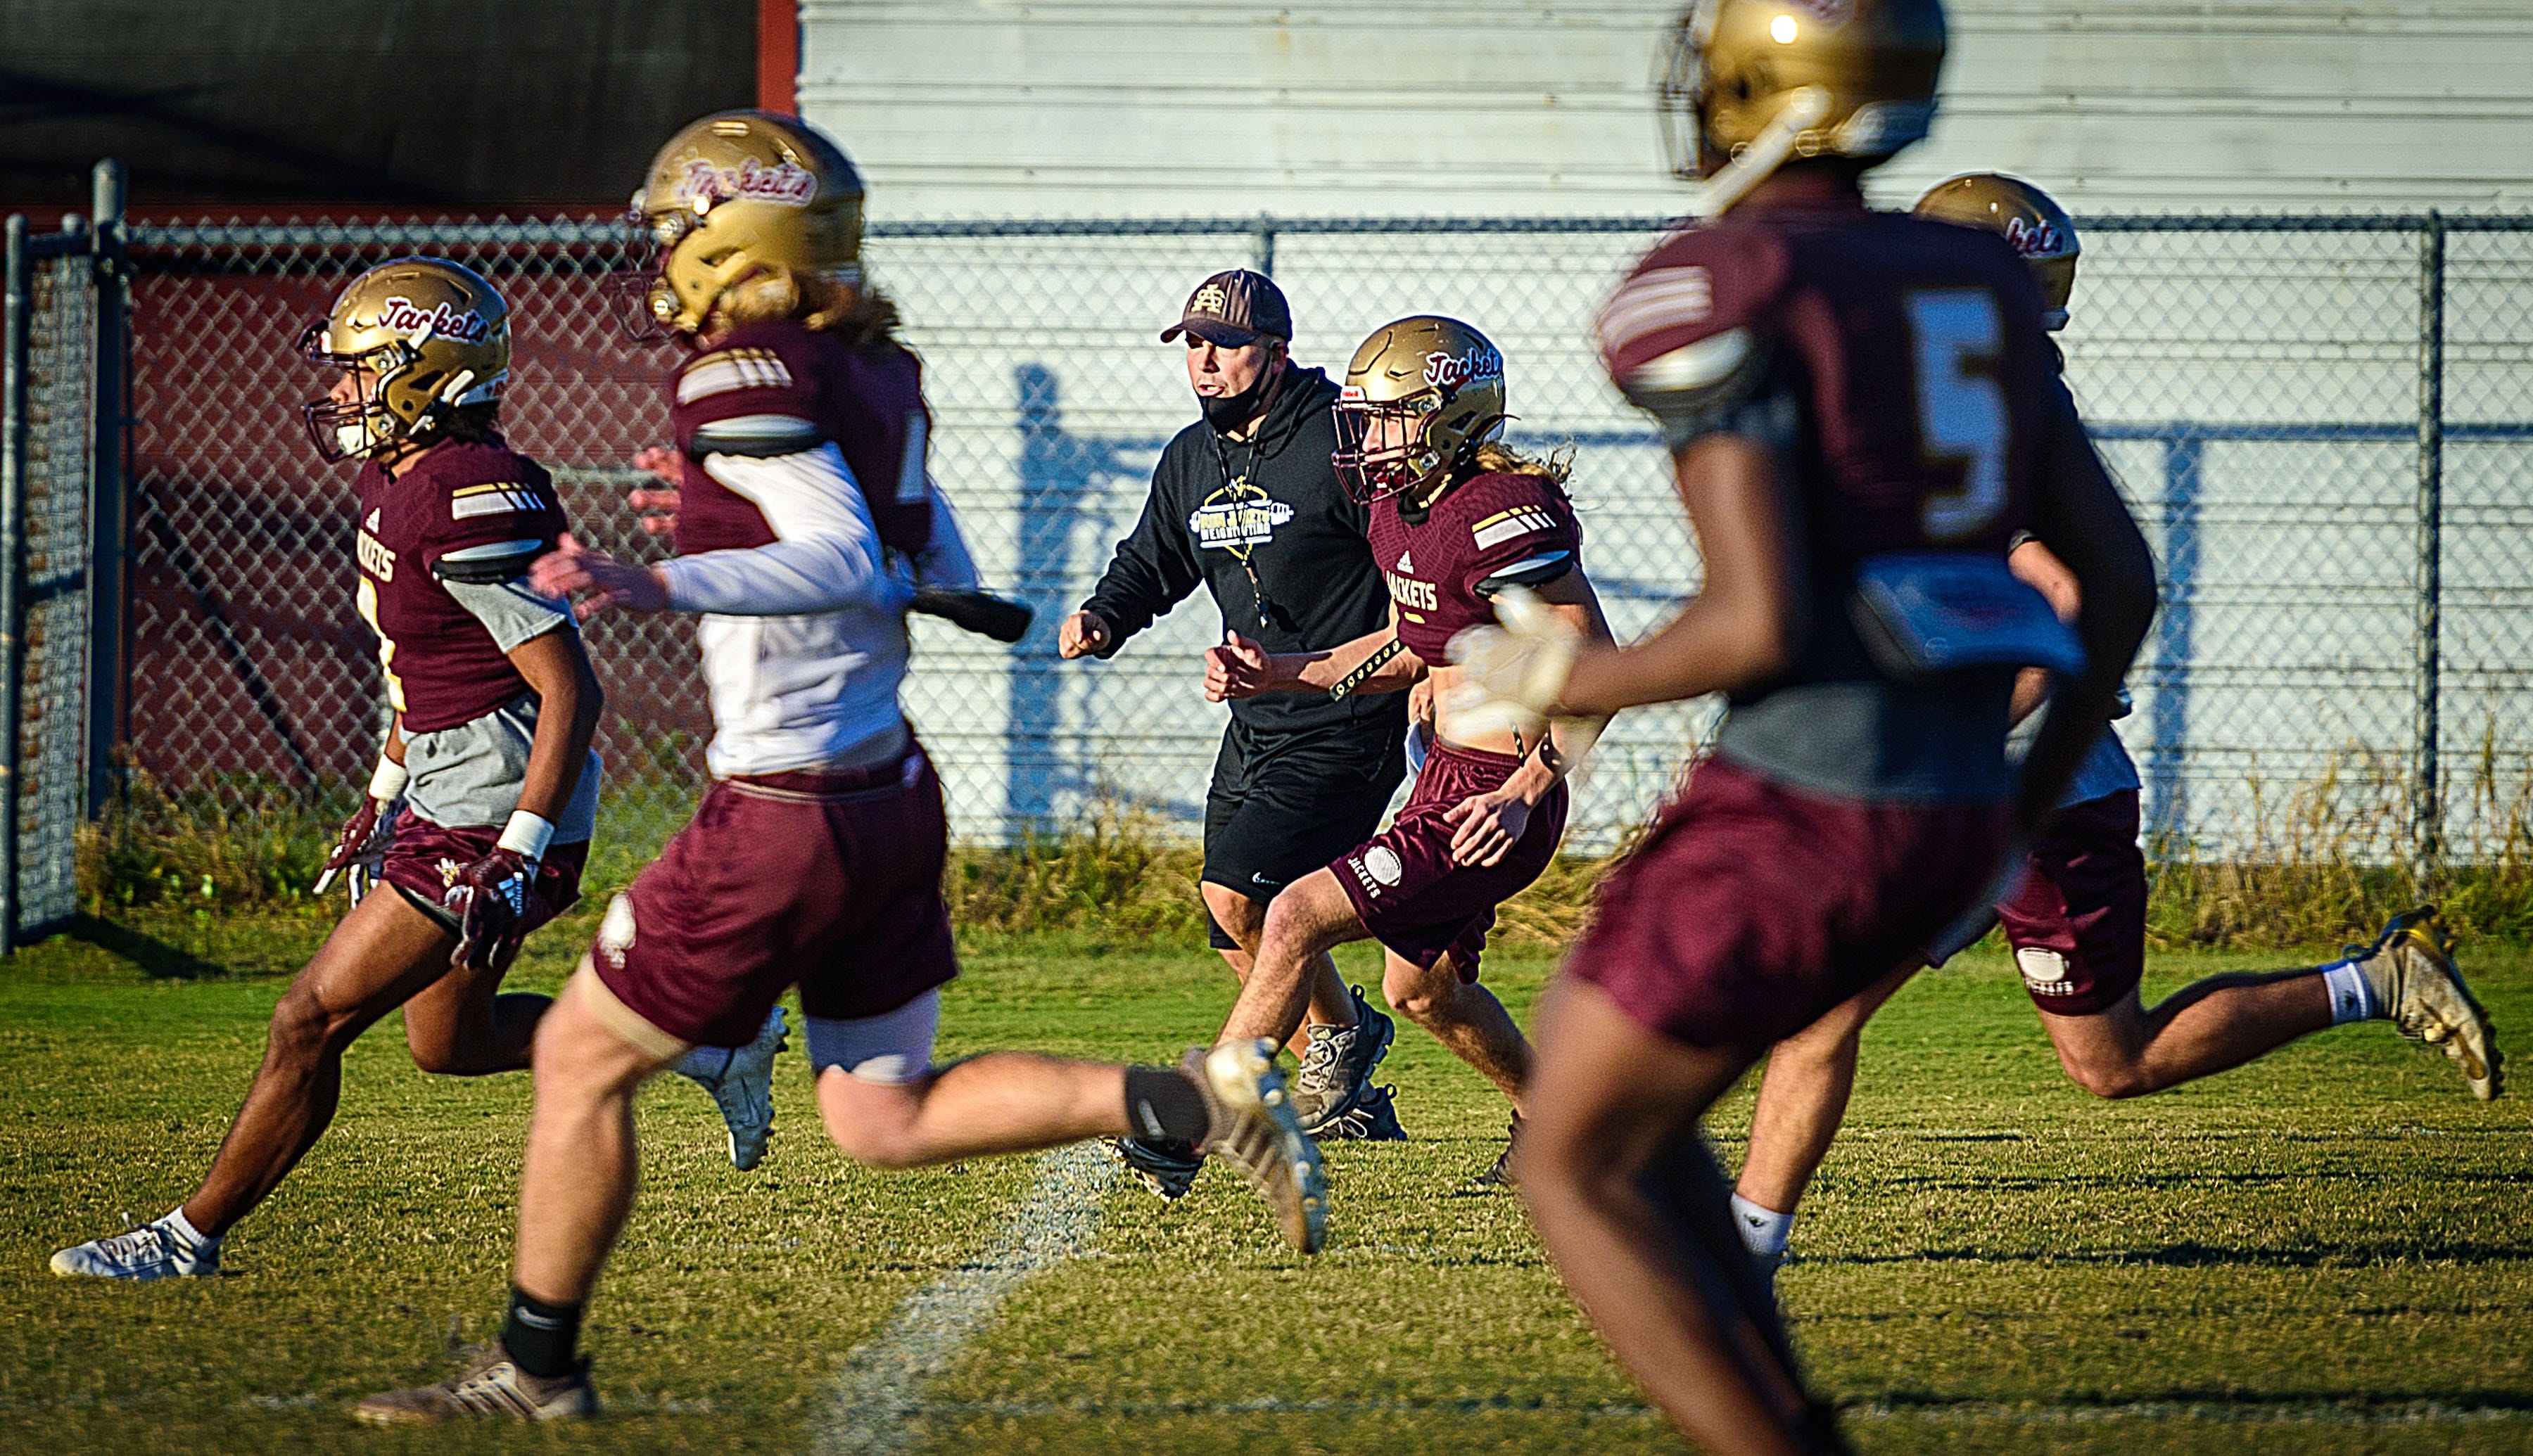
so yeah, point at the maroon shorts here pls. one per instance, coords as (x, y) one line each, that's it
(1410, 893)
(1753, 907)
(426, 859)
(2078, 923)
(827, 881)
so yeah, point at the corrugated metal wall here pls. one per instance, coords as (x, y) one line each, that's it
(1106, 107)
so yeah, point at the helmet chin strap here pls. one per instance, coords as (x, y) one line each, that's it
(1803, 110)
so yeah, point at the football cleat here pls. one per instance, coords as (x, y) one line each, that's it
(743, 1090)
(1254, 1129)
(1168, 1168)
(2410, 968)
(490, 1386)
(150, 1251)
(1502, 1173)
(1338, 1063)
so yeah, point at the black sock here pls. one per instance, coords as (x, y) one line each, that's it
(1161, 1103)
(543, 1340)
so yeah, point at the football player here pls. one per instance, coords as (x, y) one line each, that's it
(805, 525)
(2076, 923)
(1456, 519)
(479, 813)
(1862, 412)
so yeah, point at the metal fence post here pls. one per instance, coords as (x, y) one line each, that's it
(2427, 812)
(12, 489)
(1264, 236)
(108, 512)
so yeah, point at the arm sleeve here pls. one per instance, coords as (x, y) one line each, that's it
(508, 610)
(826, 555)
(1153, 570)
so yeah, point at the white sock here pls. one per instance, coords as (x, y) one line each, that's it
(2352, 995)
(705, 1062)
(1764, 1231)
(183, 1228)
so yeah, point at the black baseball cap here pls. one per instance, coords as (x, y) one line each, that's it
(1233, 307)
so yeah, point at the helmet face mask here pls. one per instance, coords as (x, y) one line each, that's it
(1419, 398)
(736, 208)
(1380, 447)
(355, 428)
(420, 339)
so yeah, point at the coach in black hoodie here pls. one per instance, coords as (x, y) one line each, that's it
(1245, 502)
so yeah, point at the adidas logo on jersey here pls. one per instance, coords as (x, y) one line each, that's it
(1403, 563)
(372, 523)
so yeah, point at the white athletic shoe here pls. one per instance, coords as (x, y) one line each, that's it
(743, 1090)
(150, 1251)
(2410, 968)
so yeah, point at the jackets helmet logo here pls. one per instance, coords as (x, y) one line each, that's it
(401, 315)
(1830, 12)
(1452, 371)
(785, 183)
(2032, 238)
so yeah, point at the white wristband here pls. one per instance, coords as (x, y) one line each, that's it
(388, 779)
(527, 834)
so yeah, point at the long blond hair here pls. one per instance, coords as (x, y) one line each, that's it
(857, 312)
(1494, 457)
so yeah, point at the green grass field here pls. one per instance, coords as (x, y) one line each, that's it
(2331, 1251)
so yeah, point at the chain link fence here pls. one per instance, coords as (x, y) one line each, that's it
(47, 451)
(2324, 424)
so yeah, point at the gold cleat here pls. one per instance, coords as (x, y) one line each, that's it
(2411, 968)
(1254, 1131)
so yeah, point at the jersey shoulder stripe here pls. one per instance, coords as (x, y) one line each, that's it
(501, 498)
(1680, 294)
(731, 371)
(1506, 525)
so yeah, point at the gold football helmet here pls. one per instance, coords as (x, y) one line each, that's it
(1419, 398)
(2029, 218)
(743, 199)
(426, 337)
(1754, 82)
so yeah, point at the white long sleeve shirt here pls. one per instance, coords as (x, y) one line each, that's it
(804, 639)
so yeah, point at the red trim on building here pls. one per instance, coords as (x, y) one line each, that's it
(778, 55)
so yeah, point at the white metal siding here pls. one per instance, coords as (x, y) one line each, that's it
(1057, 107)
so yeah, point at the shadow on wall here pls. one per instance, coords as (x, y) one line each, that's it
(1060, 474)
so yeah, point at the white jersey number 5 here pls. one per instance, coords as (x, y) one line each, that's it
(1961, 410)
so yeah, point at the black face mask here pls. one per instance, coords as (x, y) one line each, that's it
(1228, 412)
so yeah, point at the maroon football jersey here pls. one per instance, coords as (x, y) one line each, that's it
(866, 401)
(443, 667)
(1897, 369)
(1482, 526)
(1913, 350)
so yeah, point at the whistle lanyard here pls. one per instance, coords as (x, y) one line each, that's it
(1248, 566)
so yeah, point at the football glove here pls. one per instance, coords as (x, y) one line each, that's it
(491, 899)
(361, 848)
(1511, 674)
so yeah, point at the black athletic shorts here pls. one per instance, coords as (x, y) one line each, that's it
(1285, 803)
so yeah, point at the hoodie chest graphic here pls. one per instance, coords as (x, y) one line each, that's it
(1239, 517)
